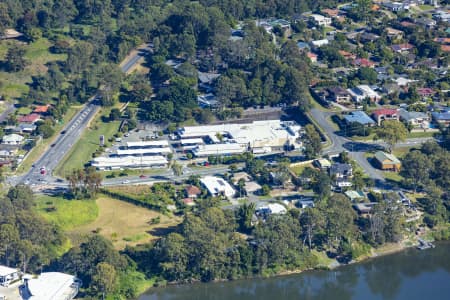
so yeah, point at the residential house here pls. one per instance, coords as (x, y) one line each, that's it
(192, 192)
(339, 95)
(341, 171)
(41, 109)
(362, 92)
(341, 174)
(441, 118)
(25, 128)
(312, 56)
(303, 45)
(12, 139)
(189, 202)
(332, 13)
(359, 117)
(8, 275)
(364, 209)
(8, 151)
(265, 210)
(394, 34)
(30, 118)
(347, 55)
(386, 161)
(402, 81)
(250, 186)
(426, 22)
(322, 163)
(50, 285)
(363, 62)
(355, 196)
(414, 118)
(425, 92)
(396, 6)
(206, 81)
(319, 43)
(320, 20)
(383, 114)
(10, 33)
(402, 48)
(367, 37)
(217, 186)
(208, 101)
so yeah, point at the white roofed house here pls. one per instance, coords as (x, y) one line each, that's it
(50, 286)
(217, 186)
(12, 139)
(414, 118)
(8, 275)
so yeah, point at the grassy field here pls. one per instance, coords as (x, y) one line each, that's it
(68, 214)
(37, 54)
(393, 176)
(82, 151)
(420, 134)
(299, 169)
(37, 151)
(127, 224)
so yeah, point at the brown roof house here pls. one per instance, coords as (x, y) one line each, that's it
(192, 192)
(386, 161)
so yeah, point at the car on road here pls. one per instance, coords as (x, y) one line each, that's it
(63, 132)
(125, 181)
(142, 176)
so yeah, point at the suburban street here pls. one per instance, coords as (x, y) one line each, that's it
(68, 137)
(355, 149)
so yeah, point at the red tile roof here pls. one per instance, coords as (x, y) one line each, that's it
(193, 190)
(384, 111)
(445, 48)
(31, 118)
(363, 62)
(425, 91)
(41, 109)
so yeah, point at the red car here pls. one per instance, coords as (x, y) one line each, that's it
(43, 170)
(142, 176)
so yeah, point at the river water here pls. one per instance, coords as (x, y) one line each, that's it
(408, 275)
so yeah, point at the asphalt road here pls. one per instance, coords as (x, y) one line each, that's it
(68, 137)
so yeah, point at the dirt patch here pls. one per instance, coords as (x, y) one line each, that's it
(126, 224)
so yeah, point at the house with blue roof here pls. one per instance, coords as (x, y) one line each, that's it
(442, 118)
(359, 117)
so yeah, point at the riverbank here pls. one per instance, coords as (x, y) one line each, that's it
(326, 263)
(407, 275)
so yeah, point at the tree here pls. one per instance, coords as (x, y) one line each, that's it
(244, 217)
(416, 168)
(104, 278)
(45, 129)
(114, 114)
(9, 236)
(177, 169)
(322, 184)
(313, 142)
(310, 220)
(14, 59)
(391, 132)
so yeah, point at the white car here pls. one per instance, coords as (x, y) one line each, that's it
(125, 181)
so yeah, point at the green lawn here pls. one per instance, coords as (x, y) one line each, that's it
(420, 134)
(82, 151)
(67, 214)
(393, 176)
(299, 169)
(426, 7)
